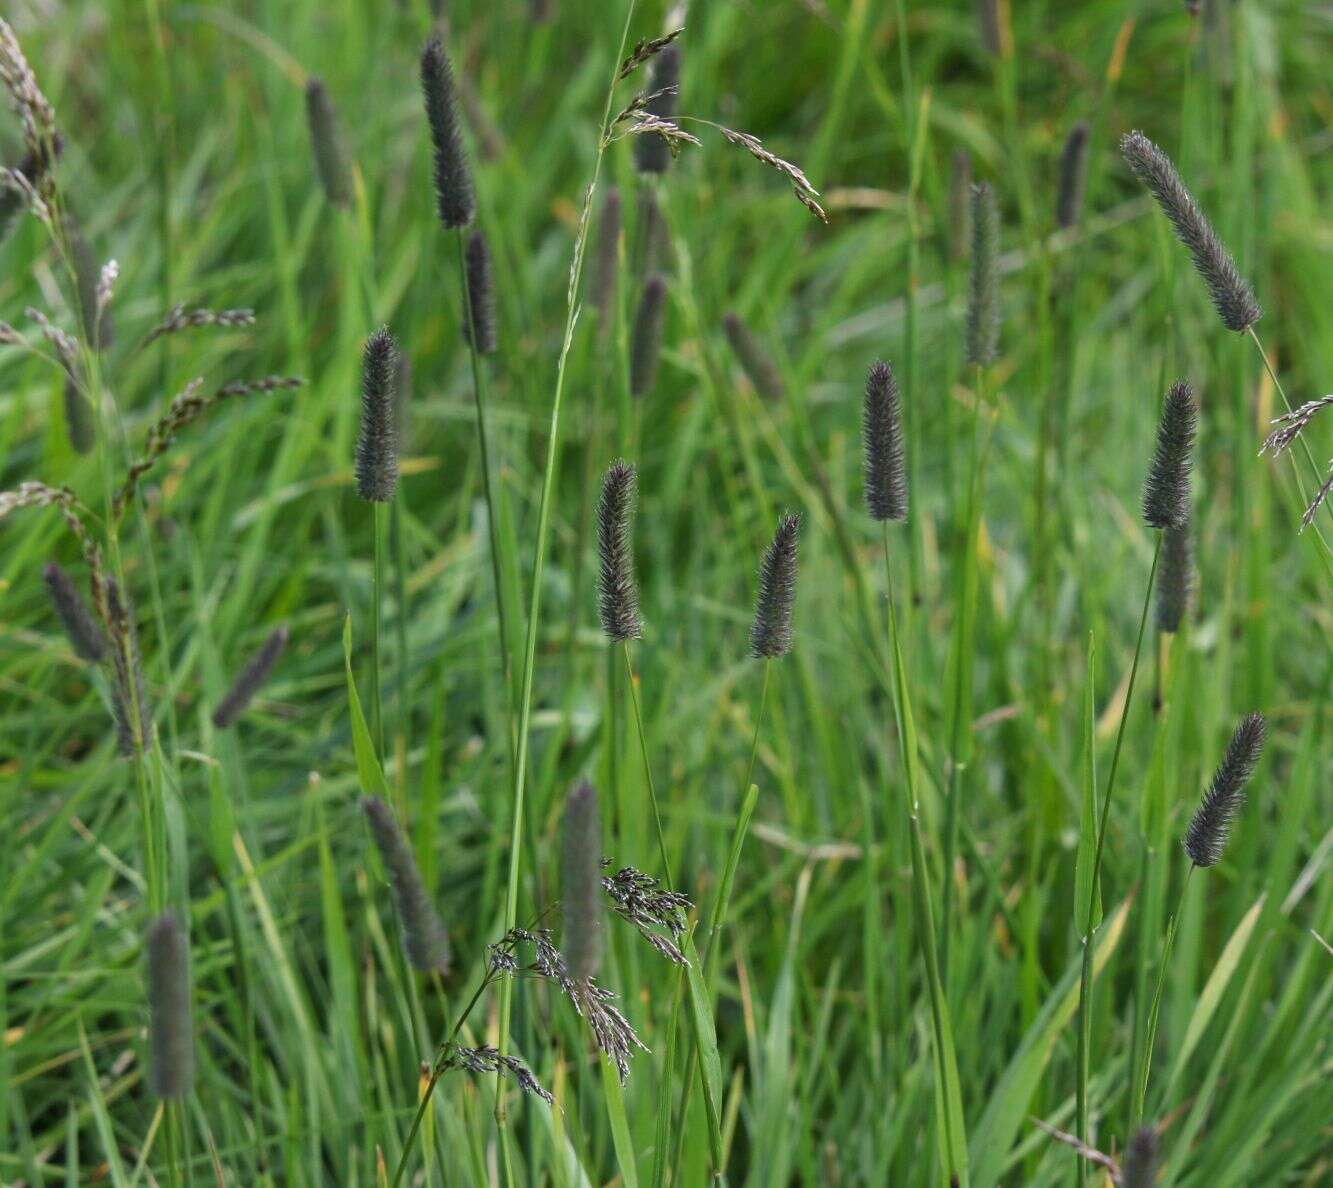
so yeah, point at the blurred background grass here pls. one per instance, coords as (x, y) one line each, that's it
(187, 159)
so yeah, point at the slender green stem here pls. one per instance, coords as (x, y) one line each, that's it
(1141, 1089)
(539, 553)
(399, 548)
(1085, 983)
(377, 526)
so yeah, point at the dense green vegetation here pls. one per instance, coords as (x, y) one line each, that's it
(894, 996)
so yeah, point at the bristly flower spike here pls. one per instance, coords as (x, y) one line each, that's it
(757, 364)
(1175, 584)
(771, 632)
(1073, 173)
(652, 154)
(617, 591)
(1166, 491)
(85, 636)
(1140, 1166)
(170, 1033)
(453, 177)
(479, 319)
(646, 341)
(377, 445)
(252, 677)
(424, 936)
(1210, 827)
(581, 882)
(885, 471)
(332, 161)
(983, 304)
(1231, 294)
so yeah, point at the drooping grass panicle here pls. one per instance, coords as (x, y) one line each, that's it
(1166, 491)
(180, 318)
(960, 204)
(801, 185)
(983, 303)
(606, 260)
(756, 362)
(1139, 1169)
(882, 431)
(645, 49)
(1175, 582)
(771, 632)
(36, 116)
(1320, 498)
(659, 915)
(134, 734)
(377, 444)
(1073, 176)
(1232, 296)
(170, 1030)
(1292, 424)
(20, 185)
(580, 882)
(250, 679)
(479, 324)
(82, 630)
(455, 200)
(424, 936)
(486, 1059)
(617, 590)
(646, 340)
(652, 154)
(1210, 827)
(333, 162)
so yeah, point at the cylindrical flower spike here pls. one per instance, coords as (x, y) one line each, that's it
(424, 936)
(581, 882)
(1210, 827)
(333, 163)
(757, 364)
(250, 680)
(85, 636)
(885, 469)
(377, 445)
(646, 342)
(1073, 173)
(771, 632)
(983, 304)
(455, 201)
(1166, 491)
(170, 1032)
(480, 319)
(617, 591)
(1175, 584)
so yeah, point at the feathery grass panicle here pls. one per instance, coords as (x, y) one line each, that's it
(652, 154)
(377, 444)
(617, 591)
(641, 900)
(85, 636)
(1166, 491)
(455, 200)
(983, 303)
(1073, 175)
(424, 936)
(757, 364)
(127, 688)
(1140, 1166)
(771, 632)
(333, 163)
(1175, 583)
(882, 431)
(251, 678)
(606, 261)
(1320, 498)
(487, 1059)
(1232, 296)
(170, 1031)
(960, 204)
(1292, 424)
(1210, 827)
(479, 319)
(179, 318)
(78, 417)
(581, 882)
(646, 341)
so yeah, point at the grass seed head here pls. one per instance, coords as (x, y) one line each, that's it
(606, 260)
(1231, 294)
(1166, 491)
(983, 303)
(424, 936)
(1175, 583)
(617, 590)
(479, 318)
(377, 444)
(1073, 174)
(756, 362)
(652, 154)
(1210, 827)
(580, 882)
(134, 733)
(170, 1031)
(455, 200)
(882, 430)
(771, 632)
(250, 680)
(85, 636)
(646, 341)
(333, 163)
(1140, 1166)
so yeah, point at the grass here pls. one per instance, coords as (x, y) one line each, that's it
(854, 935)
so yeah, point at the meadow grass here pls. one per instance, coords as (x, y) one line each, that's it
(877, 857)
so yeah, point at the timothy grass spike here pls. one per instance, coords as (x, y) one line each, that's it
(882, 431)
(1073, 175)
(85, 636)
(333, 163)
(646, 341)
(1166, 491)
(581, 882)
(617, 590)
(757, 364)
(455, 201)
(983, 304)
(1140, 1167)
(170, 1031)
(377, 444)
(424, 936)
(1175, 587)
(1210, 827)
(251, 678)
(480, 322)
(771, 632)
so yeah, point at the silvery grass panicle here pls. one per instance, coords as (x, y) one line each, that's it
(1166, 491)
(1231, 294)
(170, 1031)
(882, 431)
(377, 444)
(455, 201)
(771, 632)
(1210, 827)
(250, 679)
(424, 936)
(617, 590)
